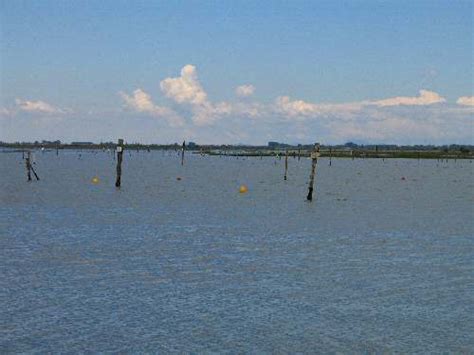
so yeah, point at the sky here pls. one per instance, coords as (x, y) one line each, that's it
(237, 72)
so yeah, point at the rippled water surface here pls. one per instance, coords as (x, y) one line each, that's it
(382, 260)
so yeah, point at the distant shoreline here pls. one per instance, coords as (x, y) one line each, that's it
(336, 151)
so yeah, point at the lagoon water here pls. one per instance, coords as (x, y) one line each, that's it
(376, 263)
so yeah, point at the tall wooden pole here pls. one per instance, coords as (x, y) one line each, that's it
(118, 181)
(28, 166)
(330, 156)
(286, 165)
(314, 161)
(182, 152)
(299, 154)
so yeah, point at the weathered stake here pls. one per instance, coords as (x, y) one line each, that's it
(330, 156)
(28, 166)
(286, 165)
(182, 152)
(314, 161)
(118, 181)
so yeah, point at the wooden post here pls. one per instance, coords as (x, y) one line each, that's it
(182, 152)
(118, 181)
(314, 161)
(330, 156)
(28, 166)
(286, 165)
(299, 154)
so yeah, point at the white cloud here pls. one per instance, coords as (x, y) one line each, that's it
(426, 98)
(39, 107)
(141, 101)
(301, 109)
(295, 108)
(466, 101)
(185, 88)
(245, 90)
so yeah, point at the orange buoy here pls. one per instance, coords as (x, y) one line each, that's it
(243, 189)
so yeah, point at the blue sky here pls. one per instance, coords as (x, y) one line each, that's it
(309, 71)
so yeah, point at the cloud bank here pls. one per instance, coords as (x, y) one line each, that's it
(187, 111)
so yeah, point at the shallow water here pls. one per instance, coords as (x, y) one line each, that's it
(375, 263)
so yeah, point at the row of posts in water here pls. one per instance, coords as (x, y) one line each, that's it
(120, 149)
(315, 154)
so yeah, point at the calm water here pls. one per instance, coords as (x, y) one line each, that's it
(375, 263)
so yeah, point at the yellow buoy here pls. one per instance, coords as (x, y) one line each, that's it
(243, 189)
(95, 180)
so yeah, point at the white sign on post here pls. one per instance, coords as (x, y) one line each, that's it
(119, 149)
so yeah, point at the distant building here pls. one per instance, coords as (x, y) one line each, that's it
(192, 145)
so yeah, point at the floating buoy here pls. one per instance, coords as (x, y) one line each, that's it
(403, 178)
(95, 180)
(178, 178)
(243, 189)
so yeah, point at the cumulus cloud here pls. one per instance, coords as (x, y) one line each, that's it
(185, 88)
(426, 97)
(245, 90)
(141, 101)
(466, 101)
(38, 107)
